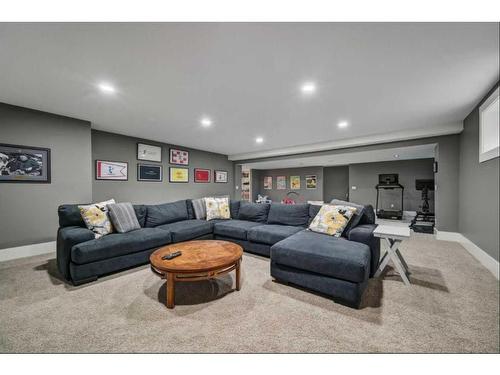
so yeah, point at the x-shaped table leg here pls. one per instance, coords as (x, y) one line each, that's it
(394, 254)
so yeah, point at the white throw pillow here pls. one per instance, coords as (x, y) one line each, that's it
(217, 208)
(96, 217)
(332, 219)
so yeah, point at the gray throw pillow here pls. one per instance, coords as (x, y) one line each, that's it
(360, 210)
(123, 217)
(200, 209)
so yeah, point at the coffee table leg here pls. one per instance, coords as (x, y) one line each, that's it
(170, 290)
(238, 274)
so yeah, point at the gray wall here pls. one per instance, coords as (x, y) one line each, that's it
(110, 146)
(28, 212)
(365, 177)
(478, 189)
(335, 183)
(305, 194)
(446, 198)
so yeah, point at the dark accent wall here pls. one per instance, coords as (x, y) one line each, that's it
(28, 212)
(478, 189)
(365, 176)
(115, 147)
(304, 194)
(336, 183)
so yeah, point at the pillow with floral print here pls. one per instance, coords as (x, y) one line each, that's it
(332, 219)
(96, 218)
(217, 208)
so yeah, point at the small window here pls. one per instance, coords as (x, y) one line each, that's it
(488, 128)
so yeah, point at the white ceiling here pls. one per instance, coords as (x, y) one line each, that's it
(387, 154)
(383, 78)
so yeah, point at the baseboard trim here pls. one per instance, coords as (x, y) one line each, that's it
(27, 251)
(481, 256)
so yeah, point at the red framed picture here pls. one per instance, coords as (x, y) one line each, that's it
(201, 175)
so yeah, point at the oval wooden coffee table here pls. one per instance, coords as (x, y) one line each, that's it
(200, 260)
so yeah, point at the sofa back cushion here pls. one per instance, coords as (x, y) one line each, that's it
(368, 215)
(313, 211)
(289, 214)
(256, 212)
(140, 212)
(166, 213)
(234, 207)
(70, 216)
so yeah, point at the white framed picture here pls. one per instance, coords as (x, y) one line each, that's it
(148, 152)
(220, 176)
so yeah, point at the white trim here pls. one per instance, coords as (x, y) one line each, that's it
(403, 135)
(484, 258)
(493, 99)
(27, 251)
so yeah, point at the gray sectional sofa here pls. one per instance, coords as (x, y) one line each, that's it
(338, 267)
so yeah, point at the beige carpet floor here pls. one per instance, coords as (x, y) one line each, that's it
(452, 306)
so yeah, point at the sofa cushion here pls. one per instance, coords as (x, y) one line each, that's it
(368, 215)
(234, 207)
(116, 244)
(360, 209)
(140, 212)
(288, 214)
(271, 233)
(123, 217)
(256, 212)
(325, 255)
(187, 229)
(313, 211)
(166, 213)
(234, 228)
(69, 215)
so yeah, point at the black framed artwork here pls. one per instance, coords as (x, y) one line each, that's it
(220, 176)
(178, 157)
(24, 164)
(148, 152)
(149, 172)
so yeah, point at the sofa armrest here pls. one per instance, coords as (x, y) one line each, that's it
(364, 234)
(67, 237)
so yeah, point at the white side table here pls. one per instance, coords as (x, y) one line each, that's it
(393, 235)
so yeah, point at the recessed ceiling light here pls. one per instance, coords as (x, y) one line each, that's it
(308, 88)
(206, 122)
(259, 139)
(343, 124)
(106, 88)
(396, 156)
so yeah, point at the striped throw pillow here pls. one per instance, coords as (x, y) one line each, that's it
(199, 208)
(123, 217)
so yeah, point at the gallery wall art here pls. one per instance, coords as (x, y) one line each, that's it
(148, 152)
(268, 183)
(201, 175)
(179, 174)
(281, 182)
(220, 176)
(24, 164)
(179, 157)
(311, 182)
(149, 172)
(295, 182)
(111, 170)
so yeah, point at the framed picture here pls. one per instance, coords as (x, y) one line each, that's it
(24, 164)
(220, 176)
(281, 182)
(295, 182)
(179, 174)
(149, 172)
(268, 183)
(111, 170)
(201, 175)
(311, 182)
(179, 157)
(148, 152)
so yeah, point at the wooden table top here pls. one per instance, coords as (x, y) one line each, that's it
(197, 256)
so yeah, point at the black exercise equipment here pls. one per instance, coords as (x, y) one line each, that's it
(389, 182)
(424, 221)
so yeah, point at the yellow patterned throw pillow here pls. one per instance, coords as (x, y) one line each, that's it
(96, 218)
(217, 208)
(332, 219)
